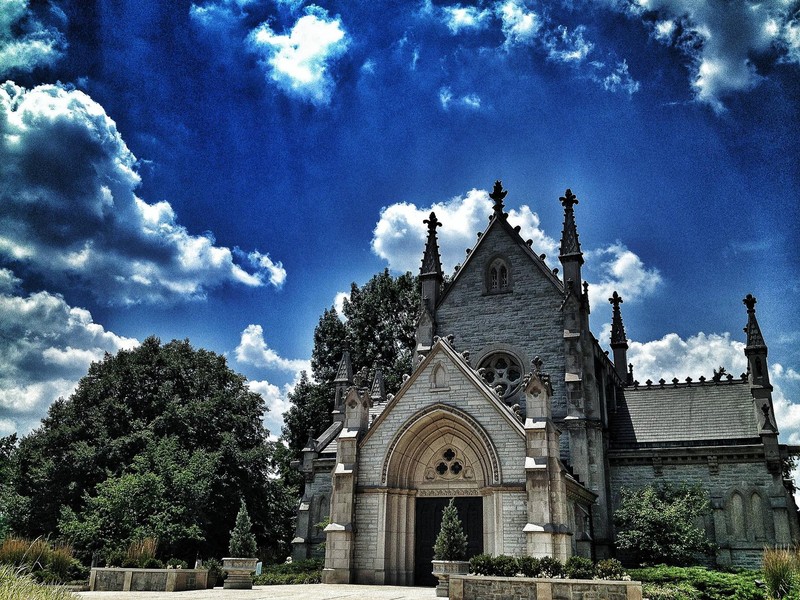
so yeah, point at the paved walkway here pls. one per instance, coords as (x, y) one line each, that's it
(280, 592)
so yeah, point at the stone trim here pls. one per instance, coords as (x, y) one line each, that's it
(491, 451)
(479, 587)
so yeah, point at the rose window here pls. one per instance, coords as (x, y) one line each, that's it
(503, 373)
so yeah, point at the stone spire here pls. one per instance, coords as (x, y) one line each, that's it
(344, 379)
(431, 261)
(619, 342)
(378, 391)
(756, 349)
(570, 255)
(498, 195)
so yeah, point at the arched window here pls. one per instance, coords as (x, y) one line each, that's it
(498, 276)
(757, 516)
(738, 529)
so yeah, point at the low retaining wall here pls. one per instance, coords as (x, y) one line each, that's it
(147, 580)
(479, 587)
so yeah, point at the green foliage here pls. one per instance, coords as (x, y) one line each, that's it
(578, 567)
(296, 572)
(529, 566)
(667, 591)
(505, 566)
(177, 563)
(481, 564)
(242, 542)
(14, 584)
(710, 585)
(780, 571)
(161, 440)
(214, 568)
(51, 563)
(609, 568)
(550, 568)
(451, 542)
(656, 524)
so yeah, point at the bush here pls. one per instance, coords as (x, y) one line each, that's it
(177, 563)
(578, 567)
(451, 542)
(45, 563)
(287, 578)
(243, 542)
(529, 566)
(780, 571)
(550, 568)
(505, 566)
(710, 585)
(141, 552)
(610, 568)
(14, 584)
(214, 569)
(679, 591)
(481, 564)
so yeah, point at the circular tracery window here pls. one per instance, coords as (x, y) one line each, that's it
(502, 371)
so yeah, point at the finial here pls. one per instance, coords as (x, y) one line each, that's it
(750, 302)
(568, 199)
(615, 299)
(618, 336)
(537, 364)
(431, 262)
(498, 195)
(432, 222)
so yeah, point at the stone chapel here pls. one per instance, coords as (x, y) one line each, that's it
(515, 410)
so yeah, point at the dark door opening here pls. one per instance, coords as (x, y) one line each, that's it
(429, 521)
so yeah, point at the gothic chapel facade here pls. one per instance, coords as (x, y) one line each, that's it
(514, 410)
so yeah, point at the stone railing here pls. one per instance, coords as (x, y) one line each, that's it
(480, 587)
(112, 579)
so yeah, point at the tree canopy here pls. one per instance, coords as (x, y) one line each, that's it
(658, 524)
(378, 330)
(163, 441)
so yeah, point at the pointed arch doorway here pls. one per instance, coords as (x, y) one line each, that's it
(428, 521)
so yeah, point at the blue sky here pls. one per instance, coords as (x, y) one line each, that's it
(223, 170)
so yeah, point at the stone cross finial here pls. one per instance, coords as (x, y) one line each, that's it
(568, 199)
(615, 299)
(750, 302)
(498, 195)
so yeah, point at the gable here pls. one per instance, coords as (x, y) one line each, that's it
(445, 395)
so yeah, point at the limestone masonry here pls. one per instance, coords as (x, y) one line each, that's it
(515, 410)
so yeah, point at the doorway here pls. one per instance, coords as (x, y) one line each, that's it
(428, 521)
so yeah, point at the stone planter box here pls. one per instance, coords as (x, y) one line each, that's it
(479, 587)
(111, 579)
(240, 573)
(443, 569)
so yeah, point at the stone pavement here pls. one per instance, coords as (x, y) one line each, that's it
(280, 592)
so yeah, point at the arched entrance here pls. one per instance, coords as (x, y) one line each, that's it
(440, 452)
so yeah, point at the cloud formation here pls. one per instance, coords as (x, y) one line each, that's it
(299, 61)
(46, 346)
(68, 211)
(467, 101)
(399, 236)
(618, 270)
(253, 350)
(724, 41)
(465, 18)
(25, 42)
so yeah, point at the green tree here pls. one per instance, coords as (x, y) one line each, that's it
(451, 542)
(658, 524)
(242, 542)
(330, 337)
(7, 446)
(169, 427)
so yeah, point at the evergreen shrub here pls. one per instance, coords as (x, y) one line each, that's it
(550, 568)
(529, 566)
(609, 568)
(451, 543)
(578, 567)
(711, 585)
(243, 542)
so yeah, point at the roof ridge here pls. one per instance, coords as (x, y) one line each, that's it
(688, 382)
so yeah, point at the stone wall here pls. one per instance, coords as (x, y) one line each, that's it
(478, 320)
(740, 526)
(476, 587)
(147, 580)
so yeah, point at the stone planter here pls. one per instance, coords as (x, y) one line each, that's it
(240, 573)
(443, 569)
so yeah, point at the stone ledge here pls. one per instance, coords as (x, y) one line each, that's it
(479, 587)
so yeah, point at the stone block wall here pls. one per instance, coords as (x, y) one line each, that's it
(478, 319)
(475, 587)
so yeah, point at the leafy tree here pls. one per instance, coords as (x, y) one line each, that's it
(451, 543)
(379, 329)
(657, 524)
(242, 542)
(7, 445)
(166, 432)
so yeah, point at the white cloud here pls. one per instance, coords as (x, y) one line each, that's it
(338, 303)
(567, 46)
(277, 401)
(275, 270)
(299, 62)
(620, 270)
(467, 101)
(721, 39)
(399, 236)
(25, 42)
(253, 350)
(520, 25)
(459, 18)
(619, 80)
(46, 346)
(68, 211)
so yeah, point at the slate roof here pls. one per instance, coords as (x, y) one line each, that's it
(684, 414)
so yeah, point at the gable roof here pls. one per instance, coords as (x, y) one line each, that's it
(442, 347)
(697, 414)
(513, 233)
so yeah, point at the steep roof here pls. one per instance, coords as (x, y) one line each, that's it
(708, 413)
